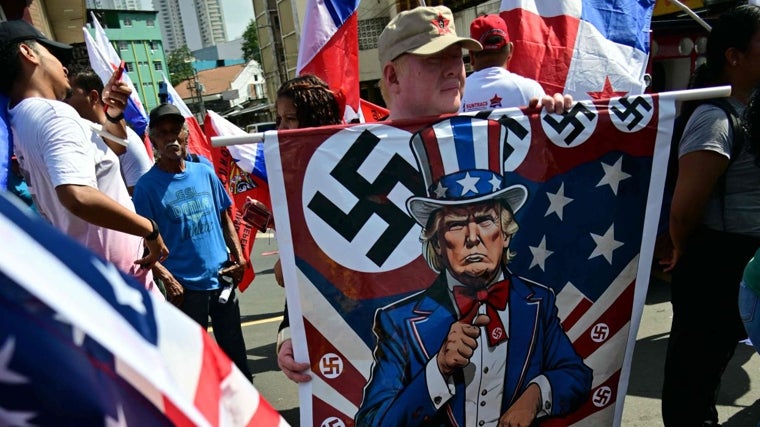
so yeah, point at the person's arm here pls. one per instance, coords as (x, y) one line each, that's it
(175, 293)
(92, 206)
(698, 173)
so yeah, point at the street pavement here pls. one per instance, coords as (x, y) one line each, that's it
(739, 399)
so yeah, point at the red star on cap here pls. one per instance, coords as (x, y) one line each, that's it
(441, 24)
(607, 92)
(495, 101)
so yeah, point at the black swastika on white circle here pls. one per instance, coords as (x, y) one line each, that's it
(600, 332)
(602, 396)
(372, 198)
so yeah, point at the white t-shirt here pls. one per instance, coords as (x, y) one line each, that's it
(495, 87)
(135, 161)
(55, 147)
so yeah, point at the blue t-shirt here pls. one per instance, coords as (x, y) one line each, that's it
(187, 207)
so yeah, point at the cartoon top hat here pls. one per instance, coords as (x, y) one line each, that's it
(462, 162)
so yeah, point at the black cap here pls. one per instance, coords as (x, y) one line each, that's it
(165, 111)
(18, 30)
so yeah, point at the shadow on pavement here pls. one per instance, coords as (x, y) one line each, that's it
(649, 360)
(292, 416)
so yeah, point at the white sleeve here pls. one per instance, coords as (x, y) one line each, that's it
(69, 152)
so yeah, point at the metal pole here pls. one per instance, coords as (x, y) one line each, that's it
(678, 95)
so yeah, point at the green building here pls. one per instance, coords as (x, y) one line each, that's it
(136, 36)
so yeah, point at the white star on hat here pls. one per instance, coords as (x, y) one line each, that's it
(469, 184)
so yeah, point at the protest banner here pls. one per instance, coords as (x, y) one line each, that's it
(349, 236)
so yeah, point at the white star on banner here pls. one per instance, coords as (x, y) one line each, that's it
(613, 174)
(77, 334)
(15, 418)
(8, 376)
(606, 244)
(440, 190)
(125, 294)
(495, 183)
(468, 184)
(540, 253)
(120, 421)
(557, 202)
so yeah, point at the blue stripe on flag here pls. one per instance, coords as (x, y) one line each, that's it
(461, 128)
(340, 10)
(625, 22)
(135, 118)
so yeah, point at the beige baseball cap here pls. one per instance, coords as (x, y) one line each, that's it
(424, 30)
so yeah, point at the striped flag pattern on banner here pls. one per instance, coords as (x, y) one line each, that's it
(590, 49)
(82, 344)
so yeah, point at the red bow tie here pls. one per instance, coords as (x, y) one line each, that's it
(495, 297)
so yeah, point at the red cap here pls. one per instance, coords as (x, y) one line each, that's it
(490, 31)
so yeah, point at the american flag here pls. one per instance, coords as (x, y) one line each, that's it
(590, 49)
(594, 177)
(82, 344)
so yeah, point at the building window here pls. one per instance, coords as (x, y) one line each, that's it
(127, 22)
(158, 66)
(369, 31)
(150, 23)
(153, 45)
(128, 66)
(123, 45)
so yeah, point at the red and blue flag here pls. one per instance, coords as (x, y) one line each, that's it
(590, 49)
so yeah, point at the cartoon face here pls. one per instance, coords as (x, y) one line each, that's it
(471, 242)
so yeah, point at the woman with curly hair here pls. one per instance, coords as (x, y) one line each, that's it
(306, 101)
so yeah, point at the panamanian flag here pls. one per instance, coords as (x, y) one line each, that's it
(590, 49)
(329, 48)
(82, 344)
(348, 246)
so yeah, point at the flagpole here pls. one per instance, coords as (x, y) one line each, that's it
(678, 95)
(692, 14)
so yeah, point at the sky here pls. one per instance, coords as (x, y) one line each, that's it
(237, 15)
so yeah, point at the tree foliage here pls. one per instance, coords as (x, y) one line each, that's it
(251, 43)
(180, 65)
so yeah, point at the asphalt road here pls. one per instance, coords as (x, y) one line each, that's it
(739, 398)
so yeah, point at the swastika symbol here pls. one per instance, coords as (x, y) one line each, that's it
(372, 197)
(630, 114)
(354, 198)
(496, 333)
(600, 332)
(602, 396)
(333, 422)
(571, 129)
(331, 365)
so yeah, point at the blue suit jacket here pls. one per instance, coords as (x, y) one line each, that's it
(411, 331)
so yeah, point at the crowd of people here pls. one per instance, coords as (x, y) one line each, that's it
(167, 222)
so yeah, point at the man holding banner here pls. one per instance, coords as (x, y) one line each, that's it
(468, 220)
